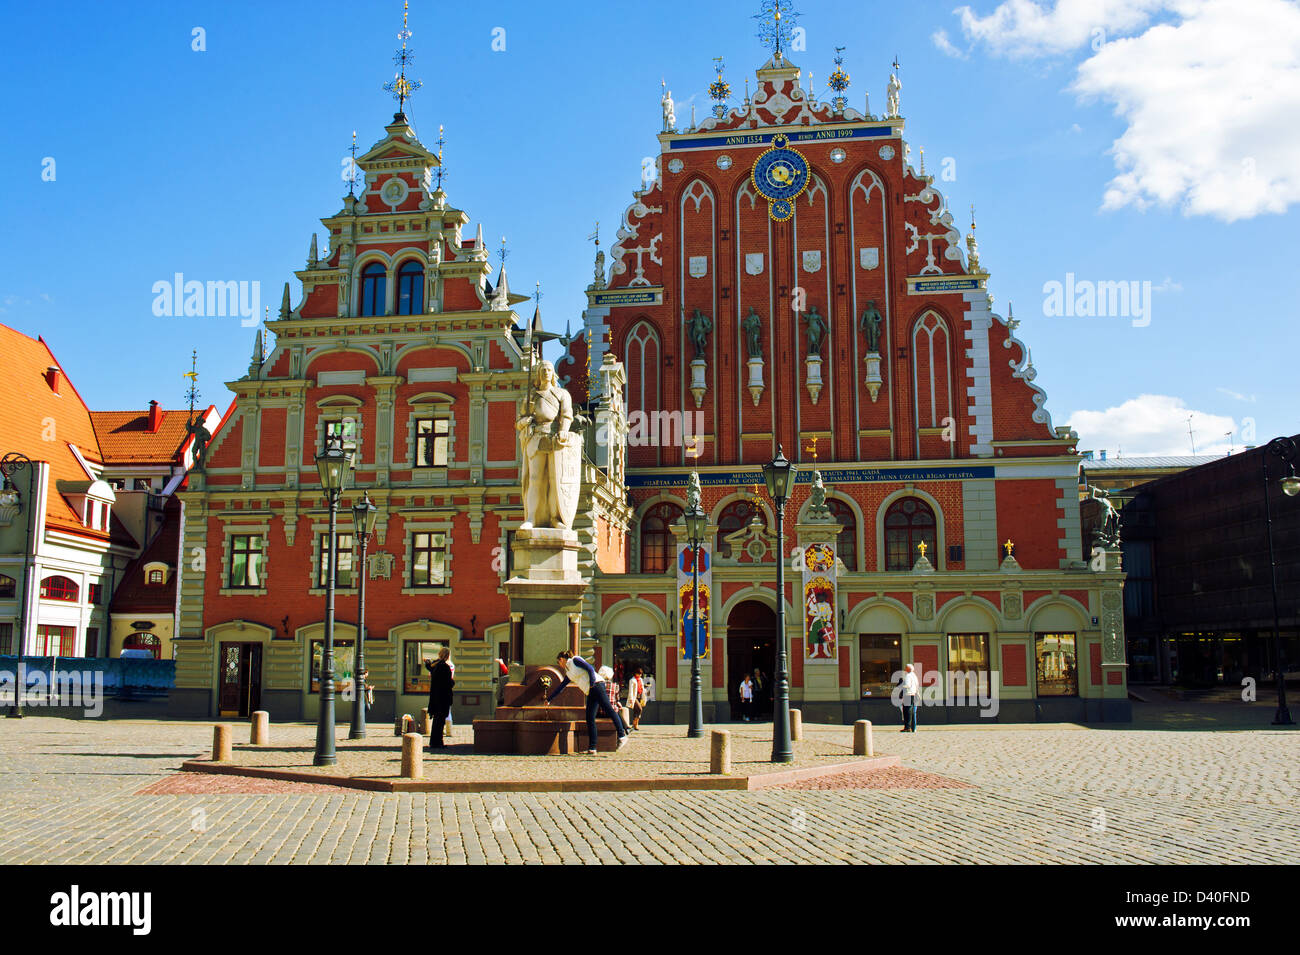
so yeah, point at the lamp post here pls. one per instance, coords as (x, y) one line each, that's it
(779, 475)
(1285, 449)
(11, 464)
(332, 464)
(364, 514)
(696, 523)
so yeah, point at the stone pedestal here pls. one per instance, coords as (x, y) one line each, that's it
(873, 379)
(813, 379)
(698, 384)
(755, 379)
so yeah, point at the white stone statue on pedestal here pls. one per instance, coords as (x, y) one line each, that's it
(891, 96)
(670, 115)
(552, 454)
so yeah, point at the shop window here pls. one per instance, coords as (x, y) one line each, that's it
(415, 679)
(343, 560)
(880, 656)
(342, 662)
(58, 588)
(246, 561)
(909, 522)
(55, 641)
(657, 542)
(410, 288)
(968, 653)
(1056, 662)
(374, 287)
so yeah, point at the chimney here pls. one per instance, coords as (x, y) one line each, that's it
(54, 378)
(155, 417)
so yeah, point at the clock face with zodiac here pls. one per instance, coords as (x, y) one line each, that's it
(780, 174)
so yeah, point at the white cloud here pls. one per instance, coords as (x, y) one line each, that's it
(1208, 98)
(1237, 395)
(940, 39)
(1153, 424)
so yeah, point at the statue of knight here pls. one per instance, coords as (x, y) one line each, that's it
(552, 453)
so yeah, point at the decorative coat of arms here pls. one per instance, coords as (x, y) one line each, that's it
(812, 260)
(819, 602)
(754, 263)
(699, 266)
(870, 258)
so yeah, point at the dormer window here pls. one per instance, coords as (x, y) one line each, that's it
(155, 577)
(374, 288)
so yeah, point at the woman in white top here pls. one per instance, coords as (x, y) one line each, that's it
(747, 699)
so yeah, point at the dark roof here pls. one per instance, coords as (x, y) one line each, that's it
(134, 595)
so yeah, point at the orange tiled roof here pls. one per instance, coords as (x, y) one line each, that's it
(43, 425)
(124, 436)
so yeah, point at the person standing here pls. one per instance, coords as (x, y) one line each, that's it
(746, 699)
(760, 693)
(440, 684)
(911, 688)
(636, 697)
(583, 675)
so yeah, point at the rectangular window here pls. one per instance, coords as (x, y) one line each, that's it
(343, 562)
(880, 656)
(344, 430)
(428, 559)
(246, 557)
(92, 641)
(7, 643)
(415, 679)
(96, 594)
(1056, 664)
(55, 641)
(968, 653)
(342, 662)
(431, 437)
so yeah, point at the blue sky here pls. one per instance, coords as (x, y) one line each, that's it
(219, 164)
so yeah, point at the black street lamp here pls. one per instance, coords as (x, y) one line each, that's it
(364, 514)
(696, 525)
(11, 464)
(1285, 449)
(332, 463)
(779, 475)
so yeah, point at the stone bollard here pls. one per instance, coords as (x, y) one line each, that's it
(397, 726)
(719, 752)
(796, 724)
(862, 742)
(260, 733)
(426, 722)
(221, 743)
(412, 756)
(408, 724)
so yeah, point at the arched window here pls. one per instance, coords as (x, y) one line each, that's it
(143, 641)
(8, 587)
(846, 545)
(931, 371)
(58, 588)
(657, 542)
(734, 516)
(410, 288)
(374, 281)
(909, 522)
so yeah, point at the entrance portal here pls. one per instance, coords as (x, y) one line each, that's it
(239, 685)
(751, 645)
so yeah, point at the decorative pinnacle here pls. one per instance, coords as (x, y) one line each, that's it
(352, 169)
(595, 235)
(839, 79)
(719, 90)
(400, 86)
(441, 170)
(776, 27)
(193, 375)
(503, 252)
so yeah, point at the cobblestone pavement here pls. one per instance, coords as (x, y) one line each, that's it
(1150, 791)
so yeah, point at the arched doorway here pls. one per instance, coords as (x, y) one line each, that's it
(751, 644)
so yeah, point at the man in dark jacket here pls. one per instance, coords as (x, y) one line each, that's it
(440, 684)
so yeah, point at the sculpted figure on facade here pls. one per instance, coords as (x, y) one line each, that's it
(753, 327)
(670, 115)
(871, 322)
(816, 330)
(552, 454)
(891, 96)
(699, 328)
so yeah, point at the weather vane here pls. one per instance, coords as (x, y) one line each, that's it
(352, 169)
(839, 82)
(719, 90)
(400, 86)
(503, 252)
(441, 170)
(193, 375)
(595, 235)
(813, 448)
(775, 27)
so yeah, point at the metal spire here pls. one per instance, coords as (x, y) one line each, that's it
(193, 375)
(775, 26)
(352, 169)
(441, 170)
(400, 86)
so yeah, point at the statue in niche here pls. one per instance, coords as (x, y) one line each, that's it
(753, 328)
(552, 453)
(816, 331)
(871, 322)
(699, 328)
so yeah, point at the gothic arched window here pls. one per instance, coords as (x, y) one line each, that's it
(735, 516)
(931, 370)
(846, 544)
(657, 542)
(410, 288)
(374, 285)
(909, 522)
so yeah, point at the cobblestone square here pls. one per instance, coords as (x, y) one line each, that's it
(1184, 783)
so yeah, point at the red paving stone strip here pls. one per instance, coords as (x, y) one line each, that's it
(894, 777)
(702, 781)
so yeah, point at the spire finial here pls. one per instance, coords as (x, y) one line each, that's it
(503, 252)
(193, 375)
(595, 235)
(839, 82)
(441, 170)
(352, 167)
(400, 86)
(776, 23)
